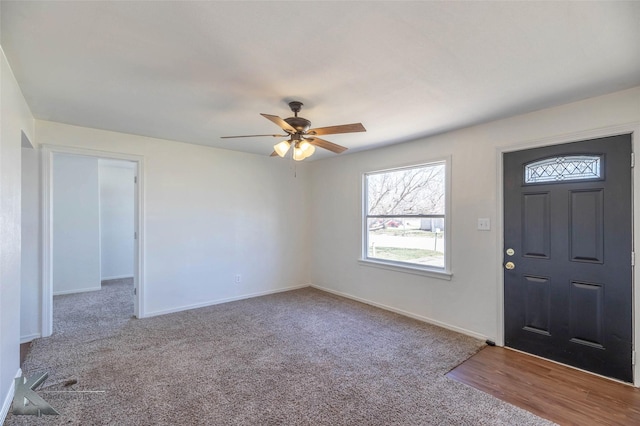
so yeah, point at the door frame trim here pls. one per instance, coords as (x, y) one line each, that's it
(47, 153)
(632, 128)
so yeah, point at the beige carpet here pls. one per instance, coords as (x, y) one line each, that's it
(302, 357)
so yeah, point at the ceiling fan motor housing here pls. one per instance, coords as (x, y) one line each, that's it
(300, 124)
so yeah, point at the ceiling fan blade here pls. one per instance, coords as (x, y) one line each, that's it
(332, 130)
(252, 136)
(274, 154)
(280, 122)
(326, 145)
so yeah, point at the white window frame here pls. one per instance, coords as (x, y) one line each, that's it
(405, 267)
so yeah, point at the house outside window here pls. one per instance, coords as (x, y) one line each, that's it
(405, 222)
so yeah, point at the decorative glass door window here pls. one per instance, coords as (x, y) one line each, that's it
(569, 167)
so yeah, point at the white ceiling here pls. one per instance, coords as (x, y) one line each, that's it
(195, 71)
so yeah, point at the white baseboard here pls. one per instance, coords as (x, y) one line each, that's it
(337, 293)
(219, 301)
(404, 313)
(117, 277)
(29, 338)
(80, 290)
(9, 398)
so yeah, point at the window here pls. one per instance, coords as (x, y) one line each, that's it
(405, 218)
(572, 167)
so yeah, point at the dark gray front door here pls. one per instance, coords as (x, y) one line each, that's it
(568, 254)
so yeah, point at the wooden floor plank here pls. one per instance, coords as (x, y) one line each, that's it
(555, 392)
(24, 350)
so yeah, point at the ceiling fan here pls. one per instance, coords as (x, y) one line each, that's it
(301, 137)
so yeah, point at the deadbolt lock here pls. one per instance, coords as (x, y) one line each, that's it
(510, 252)
(509, 265)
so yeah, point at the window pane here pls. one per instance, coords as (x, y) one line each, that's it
(570, 167)
(410, 191)
(407, 239)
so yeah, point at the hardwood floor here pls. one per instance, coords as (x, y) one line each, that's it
(24, 350)
(561, 394)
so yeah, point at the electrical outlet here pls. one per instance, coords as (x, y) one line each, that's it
(238, 278)
(484, 224)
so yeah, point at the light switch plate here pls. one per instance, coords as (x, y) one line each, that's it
(484, 224)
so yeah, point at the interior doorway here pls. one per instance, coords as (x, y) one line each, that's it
(92, 206)
(567, 254)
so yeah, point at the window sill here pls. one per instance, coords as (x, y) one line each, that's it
(442, 275)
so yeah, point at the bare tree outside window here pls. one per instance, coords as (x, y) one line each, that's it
(406, 215)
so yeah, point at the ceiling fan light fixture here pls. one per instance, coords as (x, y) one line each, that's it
(303, 150)
(304, 145)
(298, 154)
(282, 148)
(309, 151)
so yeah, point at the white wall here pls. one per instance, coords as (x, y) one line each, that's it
(469, 302)
(76, 224)
(116, 218)
(209, 214)
(15, 117)
(31, 272)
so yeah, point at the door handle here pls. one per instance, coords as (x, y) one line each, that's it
(510, 265)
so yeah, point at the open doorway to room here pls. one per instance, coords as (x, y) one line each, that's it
(91, 242)
(93, 239)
